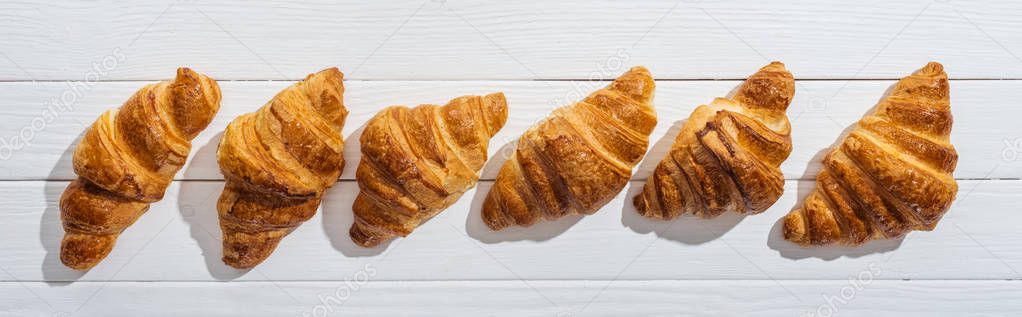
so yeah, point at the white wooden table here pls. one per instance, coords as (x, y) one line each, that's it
(87, 57)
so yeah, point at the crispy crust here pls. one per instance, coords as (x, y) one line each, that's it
(728, 154)
(126, 160)
(890, 175)
(277, 163)
(578, 158)
(418, 161)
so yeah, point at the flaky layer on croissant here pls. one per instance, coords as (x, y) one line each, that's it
(277, 163)
(578, 158)
(890, 175)
(126, 160)
(728, 154)
(418, 161)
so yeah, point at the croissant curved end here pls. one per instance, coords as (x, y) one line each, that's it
(931, 69)
(82, 251)
(794, 228)
(365, 237)
(637, 83)
(244, 250)
(496, 111)
(493, 215)
(774, 66)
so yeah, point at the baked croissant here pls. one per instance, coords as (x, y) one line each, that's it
(890, 175)
(418, 161)
(277, 163)
(577, 159)
(728, 154)
(126, 160)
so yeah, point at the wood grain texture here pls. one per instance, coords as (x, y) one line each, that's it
(179, 240)
(515, 298)
(986, 132)
(535, 39)
(417, 51)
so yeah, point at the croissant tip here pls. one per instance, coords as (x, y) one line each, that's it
(932, 68)
(639, 69)
(774, 65)
(333, 70)
(364, 237)
(185, 73)
(243, 250)
(81, 251)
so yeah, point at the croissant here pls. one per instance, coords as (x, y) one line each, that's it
(728, 154)
(577, 159)
(418, 161)
(277, 163)
(126, 160)
(890, 175)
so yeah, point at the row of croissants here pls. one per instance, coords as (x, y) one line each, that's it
(888, 175)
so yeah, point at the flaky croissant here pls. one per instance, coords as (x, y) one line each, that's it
(728, 154)
(577, 159)
(277, 163)
(126, 160)
(418, 161)
(890, 175)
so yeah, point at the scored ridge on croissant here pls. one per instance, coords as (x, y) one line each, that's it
(890, 175)
(578, 158)
(727, 155)
(418, 161)
(277, 163)
(126, 160)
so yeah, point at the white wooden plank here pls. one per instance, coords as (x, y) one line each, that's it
(536, 39)
(988, 138)
(179, 240)
(865, 297)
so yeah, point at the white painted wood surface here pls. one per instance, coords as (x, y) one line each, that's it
(533, 39)
(542, 54)
(518, 298)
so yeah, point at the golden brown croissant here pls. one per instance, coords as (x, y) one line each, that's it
(417, 162)
(277, 163)
(578, 158)
(890, 175)
(728, 154)
(126, 160)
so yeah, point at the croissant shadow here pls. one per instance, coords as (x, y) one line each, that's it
(51, 230)
(793, 251)
(658, 151)
(197, 204)
(337, 213)
(541, 231)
